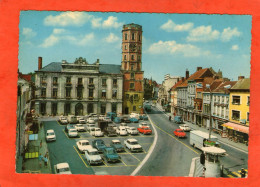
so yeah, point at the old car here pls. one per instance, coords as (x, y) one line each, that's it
(116, 144)
(91, 120)
(90, 126)
(144, 129)
(80, 127)
(121, 131)
(99, 145)
(98, 132)
(83, 145)
(107, 119)
(132, 130)
(112, 125)
(63, 120)
(110, 131)
(69, 126)
(110, 155)
(82, 120)
(126, 119)
(185, 127)
(93, 156)
(50, 135)
(72, 133)
(134, 115)
(134, 120)
(179, 133)
(62, 168)
(117, 120)
(132, 145)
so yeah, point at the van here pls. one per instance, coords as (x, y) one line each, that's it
(72, 119)
(178, 119)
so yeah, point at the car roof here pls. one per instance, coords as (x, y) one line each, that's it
(132, 140)
(115, 141)
(91, 149)
(50, 130)
(62, 165)
(83, 141)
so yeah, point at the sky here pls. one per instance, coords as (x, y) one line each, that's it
(172, 43)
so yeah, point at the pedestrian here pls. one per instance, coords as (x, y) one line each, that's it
(243, 173)
(170, 118)
(45, 161)
(40, 160)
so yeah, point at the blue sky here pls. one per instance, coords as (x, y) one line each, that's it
(172, 43)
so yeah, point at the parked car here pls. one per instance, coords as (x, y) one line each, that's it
(132, 130)
(63, 120)
(50, 135)
(110, 154)
(72, 119)
(99, 145)
(72, 133)
(83, 145)
(179, 133)
(101, 117)
(116, 144)
(82, 121)
(110, 131)
(178, 119)
(185, 127)
(132, 145)
(95, 117)
(107, 119)
(91, 120)
(144, 129)
(90, 126)
(98, 132)
(126, 120)
(112, 125)
(145, 117)
(134, 115)
(111, 115)
(93, 156)
(69, 126)
(80, 127)
(62, 168)
(117, 120)
(121, 131)
(123, 125)
(134, 120)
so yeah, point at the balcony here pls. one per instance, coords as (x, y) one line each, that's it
(68, 84)
(43, 83)
(68, 97)
(43, 96)
(79, 98)
(90, 97)
(115, 85)
(235, 103)
(55, 83)
(80, 84)
(54, 97)
(91, 86)
(104, 85)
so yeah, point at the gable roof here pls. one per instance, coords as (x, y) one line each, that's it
(177, 84)
(221, 88)
(52, 67)
(25, 77)
(243, 84)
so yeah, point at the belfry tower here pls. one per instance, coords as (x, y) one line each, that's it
(131, 66)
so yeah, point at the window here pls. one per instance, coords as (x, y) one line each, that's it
(132, 75)
(138, 57)
(79, 93)
(132, 85)
(114, 107)
(114, 82)
(114, 94)
(133, 36)
(103, 108)
(54, 108)
(43, 108)
(235, 115)
(79, 80)
(125, 47)
(90, 108)
(132, 66)
(54, 92)
(68, 90)
(90, 92)
(43, 80)
(235, 100)
(248, 100)
(134, 108)
(222, 99)
(91, 81)
(222, 111)
(127, 96)
(67, 109)
(136, 97)
(125, 36)
(55, 80)
(247, 118)
(103, 94)
(124, 57)
(132, 57)
(68, 80)
(104, 82)
(43, 92)
(139, 37)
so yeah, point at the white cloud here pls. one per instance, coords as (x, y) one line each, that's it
(28, 33)
(111, 38)
(96, 22)
(170, 26)
(58, 31)
(82, 41)
(203, 33)
(228, 33)
(172, 47)
(110, 22)
(50, 41)
(234, 47)
(68, 19)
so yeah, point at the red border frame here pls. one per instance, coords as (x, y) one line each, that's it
(9, 21)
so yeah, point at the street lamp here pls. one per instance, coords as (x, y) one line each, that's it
(210, 123)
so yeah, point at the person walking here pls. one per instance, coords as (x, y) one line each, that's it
(243, 173)
(40, 160)
(45, 161)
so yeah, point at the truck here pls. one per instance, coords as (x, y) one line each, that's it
(200, 139)
(72, 119)
(102, 125)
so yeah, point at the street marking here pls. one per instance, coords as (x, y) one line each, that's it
(80, 156)
(115, 166)
(69, 137)
(104, 162)
(133, 156)
(230, 176)
(233, 147)
(235, 173)
(177, 140)
(123, 162)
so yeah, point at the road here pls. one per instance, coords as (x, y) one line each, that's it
(172, 156)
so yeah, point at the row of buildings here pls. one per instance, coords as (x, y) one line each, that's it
(207, 99)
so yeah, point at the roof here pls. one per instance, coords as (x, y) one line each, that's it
(24, 76)
(213, 84)
(221, 88)
(132, 140)
(198, 74)
(177, 84)
(213, 150)
(115, 141)
(103, 68)
(243, 84)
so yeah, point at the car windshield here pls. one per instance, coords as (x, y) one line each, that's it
(73, 130)
(63, 118)
(100, 143)
(79, 125)
(111, 151)
(146, 128)
(133, 128)
(85, 143)
(93, 153)
(179, 130)
(50, 133)
(133, 143)
(64, 169)
(116, 142)
(98, 130)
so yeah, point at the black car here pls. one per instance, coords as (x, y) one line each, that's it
(69, 126)
(110, 131)
(99, 145)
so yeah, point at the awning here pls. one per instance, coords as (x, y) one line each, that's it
(236, 127)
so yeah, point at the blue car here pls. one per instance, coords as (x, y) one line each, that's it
(117, 120)
(134, 120)
(145, 117)
(110, 154)
(99, 145)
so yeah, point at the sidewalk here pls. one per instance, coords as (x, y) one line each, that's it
(34, 165)
(222, 140)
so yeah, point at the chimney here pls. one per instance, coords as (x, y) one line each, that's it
(241, 77)
(199, 68)
(187, 74)
(97, 61)
(39, 63)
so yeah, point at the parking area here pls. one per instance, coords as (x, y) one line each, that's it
(128, 160)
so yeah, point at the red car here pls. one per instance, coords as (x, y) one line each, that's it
(179, 133)
(144, 130)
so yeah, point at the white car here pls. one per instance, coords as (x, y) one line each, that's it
(143, 124)
(62, 168)
(78, 117)
(107, 119)
(185, 127)
(134, 115)
(72, 132)
(121, 131)
(90, 126)
(83, 145)
(98, 132)
(63, 120)
(101, 117)
(132, 145)
(91, 120)
(80, 127)
(132, 130)
(123, 124)
(92, 156)
(50, 135)
(82, 121)
(113, 125)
